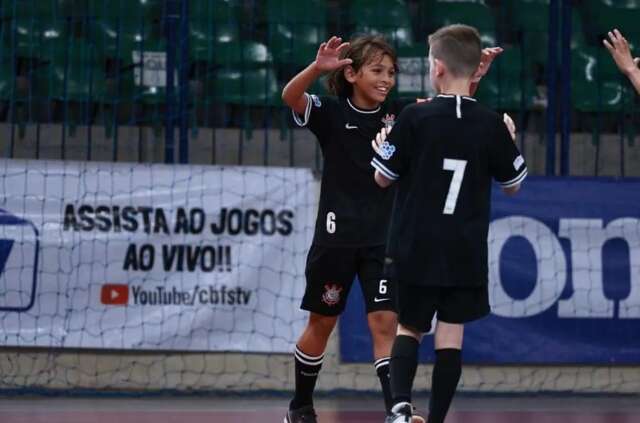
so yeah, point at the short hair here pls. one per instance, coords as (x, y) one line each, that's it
(459, 47)
(362, 50)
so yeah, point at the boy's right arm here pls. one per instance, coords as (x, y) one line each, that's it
(293, 93)
(327, 59)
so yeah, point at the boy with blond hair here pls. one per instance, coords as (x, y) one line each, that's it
(443, 154)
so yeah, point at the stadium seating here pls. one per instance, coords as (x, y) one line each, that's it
(72, 71)
(31, 22)
(604, 15)
(256, 87)
(120, 26)
(210, 24)
(386, 17)
(509, 84)
(7, 76)
(530, 21)
(295, 30)
(597, 85)
(435, 14)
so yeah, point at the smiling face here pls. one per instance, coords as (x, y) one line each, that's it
(372, 82)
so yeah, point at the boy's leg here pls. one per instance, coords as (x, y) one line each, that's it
(415, 312)
(379, 298)
(456, 306)
(447, 369)
(308, 355)
(329, 273)
(382, 325)
(404, 362)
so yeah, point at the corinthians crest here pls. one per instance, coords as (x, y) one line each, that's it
(331, 294)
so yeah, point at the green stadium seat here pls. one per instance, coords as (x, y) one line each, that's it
(597, 85)
(440, 13)
(245, 54)
(530, 20)
(212, 23)
(602, 16)
(509, 84)
(72, 71)
(122, 25)
(7, 76)
(33, 23)
(389, 18)
(252, 87)
(296, 29)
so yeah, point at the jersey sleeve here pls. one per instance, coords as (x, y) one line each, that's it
(507, 166)
(394, 157)
(317, 115)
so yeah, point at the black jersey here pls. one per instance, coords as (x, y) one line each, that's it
(444, 155)
(353, 210)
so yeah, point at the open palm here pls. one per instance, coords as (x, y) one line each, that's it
(328, 57)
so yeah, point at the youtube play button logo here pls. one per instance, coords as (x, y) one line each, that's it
(114, 294)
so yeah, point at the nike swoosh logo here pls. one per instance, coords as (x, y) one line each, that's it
(379, 300)
(350, 126)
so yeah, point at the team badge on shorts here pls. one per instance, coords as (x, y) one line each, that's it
(331, 294)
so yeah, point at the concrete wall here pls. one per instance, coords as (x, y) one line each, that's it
(610, 157)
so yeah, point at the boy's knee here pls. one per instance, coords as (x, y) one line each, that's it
(321, 325)
(382, 323)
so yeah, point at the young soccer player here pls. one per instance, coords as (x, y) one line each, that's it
(443, 155)
(618, 46)
(352, 217)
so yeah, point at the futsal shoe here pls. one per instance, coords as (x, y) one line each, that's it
(400, 413)
(304, 414)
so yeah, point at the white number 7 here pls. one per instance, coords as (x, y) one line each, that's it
(457, 166)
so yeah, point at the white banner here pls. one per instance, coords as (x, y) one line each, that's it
(129, 256)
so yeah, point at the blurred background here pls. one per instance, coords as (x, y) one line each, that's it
(198, 82)
(88, 79)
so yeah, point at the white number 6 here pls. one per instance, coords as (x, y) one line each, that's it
(331, 222)
(382, 287)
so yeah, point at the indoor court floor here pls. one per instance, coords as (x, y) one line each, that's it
(362, 409)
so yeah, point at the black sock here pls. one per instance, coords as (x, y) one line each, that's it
(307, 369)
(382, 369)
(404, 362)
(444, 380)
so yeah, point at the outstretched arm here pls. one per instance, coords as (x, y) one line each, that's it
(327, 59)
(488, 54)
(619, 49)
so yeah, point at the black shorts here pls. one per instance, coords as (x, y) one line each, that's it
(330, 273)
(417, 305)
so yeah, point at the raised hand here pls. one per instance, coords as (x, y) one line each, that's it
(619, 49)
(488, 54)
(328, 57)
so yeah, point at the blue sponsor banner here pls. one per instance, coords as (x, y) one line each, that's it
(19, 246)
(564, 264)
